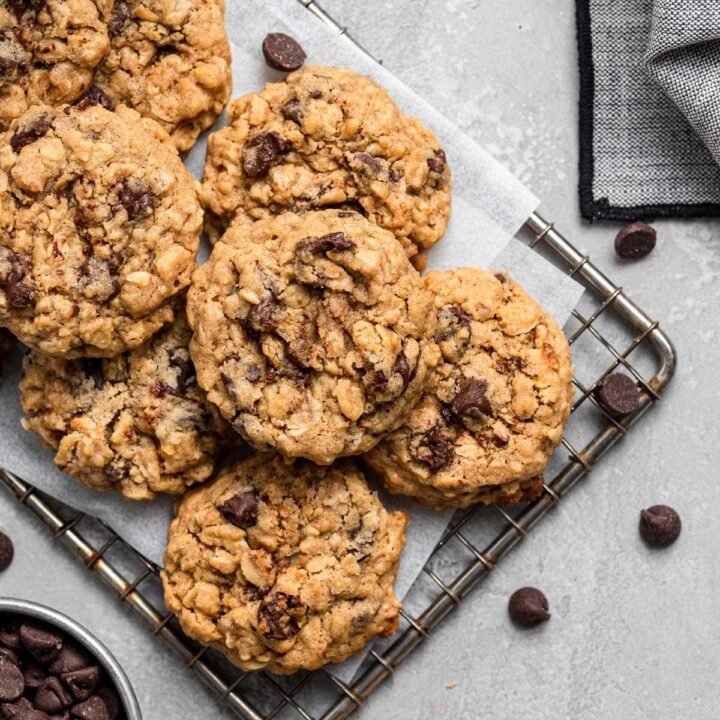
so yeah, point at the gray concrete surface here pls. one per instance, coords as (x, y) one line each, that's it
(634, 633)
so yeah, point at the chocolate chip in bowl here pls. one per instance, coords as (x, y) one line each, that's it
(52, 668)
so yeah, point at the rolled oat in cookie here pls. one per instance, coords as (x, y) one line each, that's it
(49, 50)
(170, 61)
(327, 137)
(496, 403)
(99, 229)
(284, 567)
(137, 423)
(311, 333)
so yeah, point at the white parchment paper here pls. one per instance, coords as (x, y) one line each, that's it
(489, 206)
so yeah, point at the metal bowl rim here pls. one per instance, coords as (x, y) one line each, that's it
(87, 639)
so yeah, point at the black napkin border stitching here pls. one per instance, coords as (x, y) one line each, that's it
(601, 209)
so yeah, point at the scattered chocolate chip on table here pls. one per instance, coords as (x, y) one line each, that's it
(283, 52)
(618, 394)
(528, 607)
(635, 241)
(660, 525)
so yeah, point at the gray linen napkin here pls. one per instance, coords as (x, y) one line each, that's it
(649, 108)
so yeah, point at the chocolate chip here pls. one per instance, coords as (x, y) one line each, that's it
(71, 658)
(20, 294)
(92, 369)
(660, 525)
(402, 368)
(7, 551)
(137, 199)
(33, 673)
(31, 132)
(93, 708)
(9, 654)
(83, 682)
(451, 320)
(43, 644)
(635, 241)
(472, 400)
(253, 373)
(10, 636)
(373, 164)
(121, 13)
(12, 683)
(20, 7)
(434, 449)
(261, 318)
(283, 52)
(262, 152)
(95, 96)
(292, 110)
(241, 509)
(437, 162)
(11, 711)
(278, 616)
(51, 696)
(111, 702)
(34, 714)
(618, 394)
(335, 242)
(186, 370)
(528, 606)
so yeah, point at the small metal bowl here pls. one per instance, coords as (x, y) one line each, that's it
(72, 628)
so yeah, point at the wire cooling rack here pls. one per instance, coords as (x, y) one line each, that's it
(608, 332)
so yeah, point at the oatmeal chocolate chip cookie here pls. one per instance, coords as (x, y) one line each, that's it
(328, 137)
(137, 423)
(49, 50)
(99, 229)
(311, 333)
(498, 399)
(284, 567)
(170, 61)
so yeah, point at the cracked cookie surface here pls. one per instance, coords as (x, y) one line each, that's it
(170, 61)
(497, 401)
(328, 137)
(284, 567)
(137, 423)
(49, 50)
(311, 333)
(99, 229)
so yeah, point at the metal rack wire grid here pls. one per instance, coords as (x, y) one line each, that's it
(609, 331)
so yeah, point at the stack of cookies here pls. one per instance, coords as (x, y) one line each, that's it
(309, 333)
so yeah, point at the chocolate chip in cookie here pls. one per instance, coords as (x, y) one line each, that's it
(241, 509)
(472, 400)
(28, 134)
(137, 199)
(283, 52)
(434, 449)
(332, 242)
(280, 615)
(262, 152)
